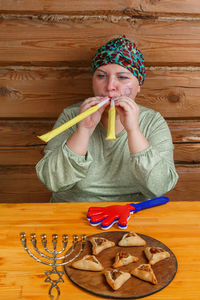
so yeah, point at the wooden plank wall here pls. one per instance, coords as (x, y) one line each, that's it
(45, 55)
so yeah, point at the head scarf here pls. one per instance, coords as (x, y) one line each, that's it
(123, 52)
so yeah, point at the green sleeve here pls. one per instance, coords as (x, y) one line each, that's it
(154, 167)
(60, 168)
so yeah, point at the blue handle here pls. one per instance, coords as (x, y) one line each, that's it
(150, 203)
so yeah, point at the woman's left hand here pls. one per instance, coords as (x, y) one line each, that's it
(129, 116)
(128, 112)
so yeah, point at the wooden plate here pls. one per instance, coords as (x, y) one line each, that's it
(95, 282)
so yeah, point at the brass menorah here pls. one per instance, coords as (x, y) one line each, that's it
(54, 258)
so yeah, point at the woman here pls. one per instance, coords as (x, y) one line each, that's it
(80, 165)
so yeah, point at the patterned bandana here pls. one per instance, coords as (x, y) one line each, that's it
(123, 52)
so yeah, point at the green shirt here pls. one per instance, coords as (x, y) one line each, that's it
(108, 172)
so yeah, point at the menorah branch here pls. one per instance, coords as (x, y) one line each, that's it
(67, 258)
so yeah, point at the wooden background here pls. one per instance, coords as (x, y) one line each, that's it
(46, 48)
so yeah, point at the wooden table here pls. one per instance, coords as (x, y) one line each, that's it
(176, 224)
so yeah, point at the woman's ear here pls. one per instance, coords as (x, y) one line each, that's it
(138, 89)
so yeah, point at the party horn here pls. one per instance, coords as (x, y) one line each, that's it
(111, 122)
(51, 134)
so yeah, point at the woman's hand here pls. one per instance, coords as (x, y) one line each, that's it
(128, 112)
(79, 140)
(91, 121)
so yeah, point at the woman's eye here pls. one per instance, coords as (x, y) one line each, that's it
(100, 75)
(123, 77)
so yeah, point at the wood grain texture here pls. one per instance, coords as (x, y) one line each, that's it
(20, 132)
(20, 184)
(30, 155)
(45, 92)
(41, 92)
(172, 91)
(23, 133)
(185, 131)
(175, 224)
(19, 144)
(187, 153)
(33, 41)
(20, 156)
(187, 188)
(46, 48)
(136, 7)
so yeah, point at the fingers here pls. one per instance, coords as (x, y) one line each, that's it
(91, 102)
(126, 106)
(97, 219)
(123, 220)
(128, 112)
(93, 211)
(107, 216)
(91, 121)
(109, 221)
(95, 215)
(88, 103)
(126, 103)
(125, 215)
(101, 110)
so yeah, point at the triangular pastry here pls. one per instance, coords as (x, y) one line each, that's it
(99, 244)
(131, 239)
(116, 278)
(123, 258)
(145, 273)
(155, 254)
(88, 263)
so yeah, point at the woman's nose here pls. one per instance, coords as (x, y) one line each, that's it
(111, 84)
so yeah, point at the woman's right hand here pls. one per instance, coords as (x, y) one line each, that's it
(91, 121)
(79, 140)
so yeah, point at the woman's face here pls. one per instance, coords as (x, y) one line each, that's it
(114, 80)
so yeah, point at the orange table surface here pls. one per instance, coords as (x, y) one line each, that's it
(176, 224)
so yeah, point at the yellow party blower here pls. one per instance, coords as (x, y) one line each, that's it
(51, 134)
(111, 122)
